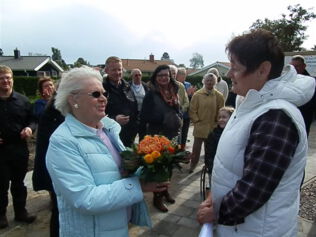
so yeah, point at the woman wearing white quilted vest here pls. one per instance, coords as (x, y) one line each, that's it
(261, 156)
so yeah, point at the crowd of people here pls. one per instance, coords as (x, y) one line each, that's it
(85, 121)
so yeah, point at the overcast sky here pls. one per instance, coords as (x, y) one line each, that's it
(96, 29)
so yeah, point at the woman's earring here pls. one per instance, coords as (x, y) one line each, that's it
(76, 106)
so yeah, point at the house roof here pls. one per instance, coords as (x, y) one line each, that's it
(33, 63)
(222, 66)
(143, 64)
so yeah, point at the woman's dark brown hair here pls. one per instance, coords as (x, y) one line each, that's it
(252, 49)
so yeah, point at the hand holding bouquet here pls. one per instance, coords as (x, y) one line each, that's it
(157, 156)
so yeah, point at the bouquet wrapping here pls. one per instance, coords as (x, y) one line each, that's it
(156, 155)
(207, 230)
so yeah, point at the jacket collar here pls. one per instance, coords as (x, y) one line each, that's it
(207, 92)
(291, 87)
(78, 129)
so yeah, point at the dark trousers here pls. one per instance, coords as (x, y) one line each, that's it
(128, 133)
(54, 219)
(184, 131)
(14, 171)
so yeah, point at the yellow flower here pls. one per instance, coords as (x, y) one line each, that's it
(149, 158)
(155, 154)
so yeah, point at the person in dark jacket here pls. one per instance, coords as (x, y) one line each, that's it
(161, 115)
(17, 125)
(308, 109)
(49, 121)
(122, 104)
(212, 140)
(46, 90)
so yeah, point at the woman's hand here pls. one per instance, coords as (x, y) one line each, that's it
(191, 90)
(205, 212)
(154, 186)
(26, 133)
(122, 119)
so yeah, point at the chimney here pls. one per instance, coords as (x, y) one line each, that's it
(17, 53)
(151, 58)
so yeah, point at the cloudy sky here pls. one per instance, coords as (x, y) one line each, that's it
(96, 29)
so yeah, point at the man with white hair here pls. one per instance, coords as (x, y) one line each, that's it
(140, 89)
(183, 96)
(221, 84)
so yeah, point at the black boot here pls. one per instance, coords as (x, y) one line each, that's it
(24, 216)
(3, 222)
(168, 198)
(158, 203)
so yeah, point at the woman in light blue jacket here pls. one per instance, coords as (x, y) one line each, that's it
(84, 163)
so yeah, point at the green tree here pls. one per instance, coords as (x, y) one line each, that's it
(80, 61)
(56, 56)
(197, 61)
(290, 29)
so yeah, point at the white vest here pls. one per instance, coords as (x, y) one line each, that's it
(278, 216)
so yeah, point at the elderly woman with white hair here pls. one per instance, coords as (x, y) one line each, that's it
(203, 112)
(84, 163)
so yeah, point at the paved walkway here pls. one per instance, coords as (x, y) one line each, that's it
(178, 222)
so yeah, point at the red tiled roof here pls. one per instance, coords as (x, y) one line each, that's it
(143, 64)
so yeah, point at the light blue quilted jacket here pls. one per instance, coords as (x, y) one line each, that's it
(92, 197)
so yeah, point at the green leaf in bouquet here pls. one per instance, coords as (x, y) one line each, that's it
(130, 161)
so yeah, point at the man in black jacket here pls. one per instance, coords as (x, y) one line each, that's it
(308, 109)
(122, 104)
(17, 124)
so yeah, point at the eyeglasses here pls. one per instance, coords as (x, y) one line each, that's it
(137, 75)
(163, 75)
(5, 78)
(97, 94)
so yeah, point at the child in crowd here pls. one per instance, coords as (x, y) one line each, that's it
(211, 142)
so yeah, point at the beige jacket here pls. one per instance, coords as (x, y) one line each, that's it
(183, 97)
(203, 111)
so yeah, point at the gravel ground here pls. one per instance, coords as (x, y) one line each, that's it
(308, 201)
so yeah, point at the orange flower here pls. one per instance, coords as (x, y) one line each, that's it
(164, 141)
(155, 154)
(149, 158)
(153, 143)
(148, 145)
(171, 149)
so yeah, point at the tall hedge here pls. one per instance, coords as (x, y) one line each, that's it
(25, 85)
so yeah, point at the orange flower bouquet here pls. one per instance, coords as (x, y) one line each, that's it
(157, 156)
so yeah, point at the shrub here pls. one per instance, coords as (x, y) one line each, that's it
(25, 85)
(195, 81)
